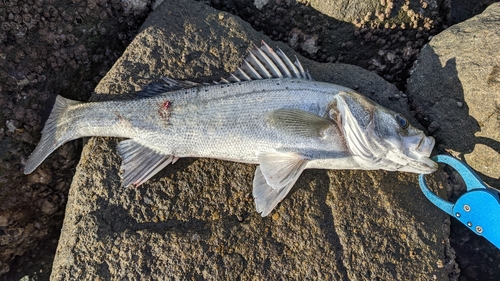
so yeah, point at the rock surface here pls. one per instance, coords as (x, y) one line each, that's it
(47, 47)
(409, 13)
(455, 87)
(382, 36)
(196, 219)
(457, 84)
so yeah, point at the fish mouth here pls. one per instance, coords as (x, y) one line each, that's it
(419, 149)
(425, 146)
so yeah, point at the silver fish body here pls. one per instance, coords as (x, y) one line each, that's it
(283, 123)
(228, 122)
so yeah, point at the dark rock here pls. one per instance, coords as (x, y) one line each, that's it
(379, 12)
(45, 50)
(457, 86)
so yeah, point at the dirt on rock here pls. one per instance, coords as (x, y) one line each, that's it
(47, 48)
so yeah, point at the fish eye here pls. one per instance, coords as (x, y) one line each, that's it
(402, 121)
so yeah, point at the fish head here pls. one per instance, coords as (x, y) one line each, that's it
(380, 138)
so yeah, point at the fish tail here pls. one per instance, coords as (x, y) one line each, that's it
(51, 138)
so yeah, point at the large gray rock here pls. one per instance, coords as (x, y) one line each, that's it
(196, 219)
(456, 88)
(410, 13)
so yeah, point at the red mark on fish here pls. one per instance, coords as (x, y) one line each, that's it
(163, 109)
(166, 104)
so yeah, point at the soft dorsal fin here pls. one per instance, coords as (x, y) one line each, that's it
(264, 63)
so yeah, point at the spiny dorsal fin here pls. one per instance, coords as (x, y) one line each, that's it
(264, 63)
(261, 63)
(167, 84)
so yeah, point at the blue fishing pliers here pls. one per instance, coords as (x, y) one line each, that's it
(478, 208)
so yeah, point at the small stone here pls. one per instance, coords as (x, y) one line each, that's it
(460, 104)
(294, 38)
(390, 56)
(259, 4)
(433, 126)
(310, 45)
(147, 201)
(10, 126)
(48, 208)
(40, 176)
(4, 220)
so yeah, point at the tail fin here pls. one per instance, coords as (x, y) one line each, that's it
(50, 141)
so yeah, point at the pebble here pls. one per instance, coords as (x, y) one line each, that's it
(259, 4)
(310, 46)
(40, 176)
(147, 200)
(48, 207)
(4, 220)
(10, 126)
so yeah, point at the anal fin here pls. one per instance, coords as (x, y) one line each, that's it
(140, 163)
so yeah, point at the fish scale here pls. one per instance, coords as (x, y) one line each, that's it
(238, 115)
(285, 123)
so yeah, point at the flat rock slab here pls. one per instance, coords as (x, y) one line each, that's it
(376, 11)
(456, 87)
(197, 220)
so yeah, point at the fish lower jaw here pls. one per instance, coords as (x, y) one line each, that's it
(423, 165)
(432, 166)
(345, 163)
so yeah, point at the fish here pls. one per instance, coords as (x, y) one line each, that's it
(268, 112)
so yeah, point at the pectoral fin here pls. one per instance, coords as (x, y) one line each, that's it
(298, 122)
(140, 163)
(274, 178)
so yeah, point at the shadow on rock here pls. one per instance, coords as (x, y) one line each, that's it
(455, 94)
(114, 219)
(446, 115)
(376, 36)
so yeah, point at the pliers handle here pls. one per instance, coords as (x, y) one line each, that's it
(478, 208)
